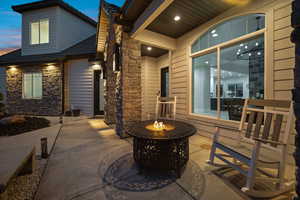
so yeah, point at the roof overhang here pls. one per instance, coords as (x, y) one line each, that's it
(50, 3)
(159, 16)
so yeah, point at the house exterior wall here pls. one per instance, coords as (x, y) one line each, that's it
(51, 102)
(29, 16)
(3, 81)
(279, 61)
(71, 29)
(65, 30)
(150, 86)
(80, 86)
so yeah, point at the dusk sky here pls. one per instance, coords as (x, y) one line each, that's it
(10, 21)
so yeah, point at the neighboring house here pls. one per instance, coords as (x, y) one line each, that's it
(55, 69)
(206, 53)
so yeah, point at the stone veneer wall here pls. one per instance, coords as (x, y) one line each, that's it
(50, 104)
(109, 95)
(131, 80)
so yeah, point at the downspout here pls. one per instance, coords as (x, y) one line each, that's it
(295, 38)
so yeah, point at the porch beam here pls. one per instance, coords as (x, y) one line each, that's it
(156, 40)
(155, 8)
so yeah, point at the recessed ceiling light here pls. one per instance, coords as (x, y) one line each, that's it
(149, 48)
(215, 35)
(213, 31)
(177, 18)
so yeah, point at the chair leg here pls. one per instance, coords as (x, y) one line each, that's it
(252, 168)
(250, 178)
(212, 154)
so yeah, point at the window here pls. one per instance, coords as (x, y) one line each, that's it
(224, 72)
(39, 32)
(32, 86)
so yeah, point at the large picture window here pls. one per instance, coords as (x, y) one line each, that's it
(229, 66)
(39, 32)
(32, 86)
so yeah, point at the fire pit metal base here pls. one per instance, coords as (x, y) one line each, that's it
(166, 150)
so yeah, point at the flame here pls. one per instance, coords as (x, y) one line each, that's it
(237, 2)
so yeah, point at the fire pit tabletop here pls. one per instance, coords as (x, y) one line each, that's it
(174, 130)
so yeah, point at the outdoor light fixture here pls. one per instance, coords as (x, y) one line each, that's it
(149, 48)
(13, 68)
(96, 67)
(177, 18)
(50, 67)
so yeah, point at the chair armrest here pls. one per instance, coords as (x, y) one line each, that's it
(230, 128)
(267, 141)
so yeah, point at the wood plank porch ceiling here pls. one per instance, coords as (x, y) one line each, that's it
(155, 52)
(192, 12)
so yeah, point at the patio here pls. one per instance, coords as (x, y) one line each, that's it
(90, 162)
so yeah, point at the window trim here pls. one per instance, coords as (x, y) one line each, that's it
(23, 79)
(217, 48)
(39, 29)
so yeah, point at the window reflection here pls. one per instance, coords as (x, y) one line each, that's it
(229, 30)
(242, 73)
(204, 82)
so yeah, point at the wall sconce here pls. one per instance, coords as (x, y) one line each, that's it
(50, 67)
(13, 68)
(96, 67)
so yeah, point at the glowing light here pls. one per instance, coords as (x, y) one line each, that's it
(177, 18)
(250, 54)
(241, 45)
(96, 67)
(246, 47)
(215, 35)
(259, 53)
(256, 44)
(206, 62)
(237, 2)
(149, 48)
(213, 31)
(13, 68)
(50, 67)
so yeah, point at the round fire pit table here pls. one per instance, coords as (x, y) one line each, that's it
(166, 149)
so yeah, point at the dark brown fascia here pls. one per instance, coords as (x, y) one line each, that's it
(49, 3)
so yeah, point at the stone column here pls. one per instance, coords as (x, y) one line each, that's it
(295, 38)
(109, 95)
(131, 81)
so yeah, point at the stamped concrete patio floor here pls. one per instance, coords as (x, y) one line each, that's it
(90, 162)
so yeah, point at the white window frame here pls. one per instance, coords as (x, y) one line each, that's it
(23, 80)
(39, 30)
(217, 48)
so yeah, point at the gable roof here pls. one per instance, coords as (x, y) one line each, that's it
(85, 48)
(49, 3)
